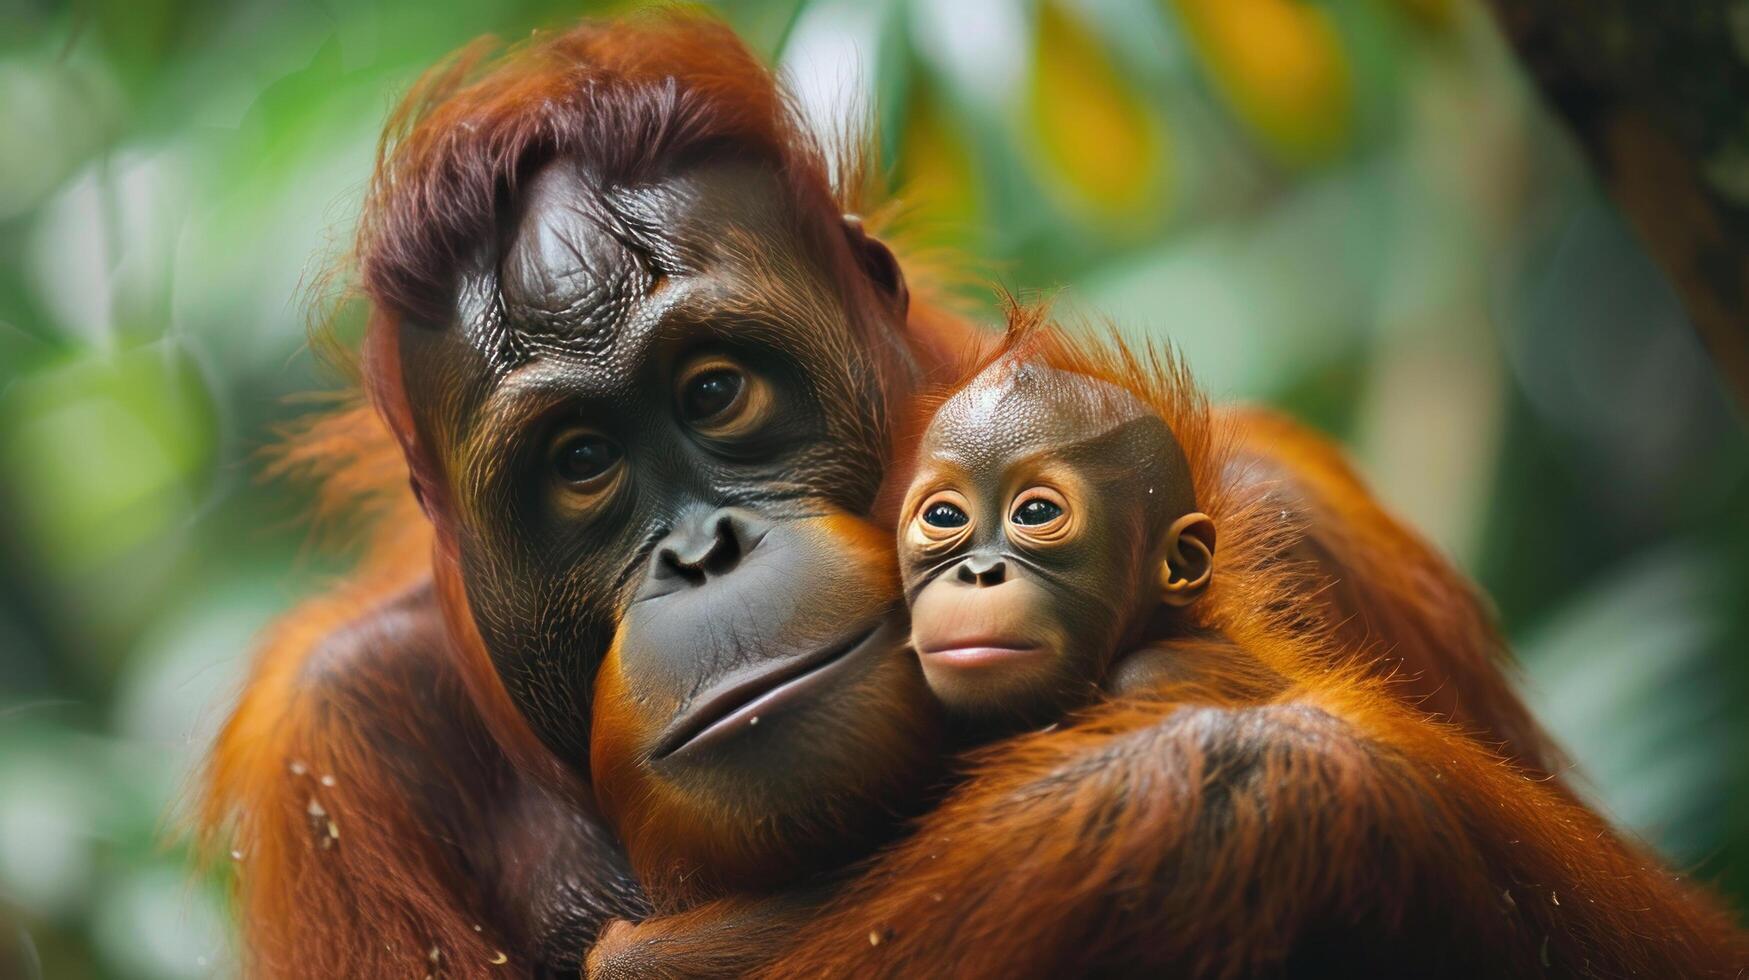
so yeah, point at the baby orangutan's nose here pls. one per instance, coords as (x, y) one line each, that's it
(983, 570)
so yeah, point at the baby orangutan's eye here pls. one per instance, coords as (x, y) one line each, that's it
(944, 514)
(943, 518)
(1036, 511)
(1040, 516)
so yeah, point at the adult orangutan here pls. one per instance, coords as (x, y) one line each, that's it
(635, 357)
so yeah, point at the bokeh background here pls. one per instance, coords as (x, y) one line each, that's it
(1353, 210)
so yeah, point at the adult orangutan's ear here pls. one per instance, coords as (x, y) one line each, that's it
(878, 262)
(1190, 559)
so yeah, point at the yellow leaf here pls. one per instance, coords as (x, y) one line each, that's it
(935, 165)
(1093, 132)
(1432, 13)
(1280, 66)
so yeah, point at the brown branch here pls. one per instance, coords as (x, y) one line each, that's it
(1658, 95)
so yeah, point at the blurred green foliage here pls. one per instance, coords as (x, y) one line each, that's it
(1352, 209)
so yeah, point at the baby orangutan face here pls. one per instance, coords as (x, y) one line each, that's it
(1050, 517)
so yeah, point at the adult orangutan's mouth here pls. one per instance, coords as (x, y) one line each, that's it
(745, 700)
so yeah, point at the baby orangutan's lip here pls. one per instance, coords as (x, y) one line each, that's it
(978, 652)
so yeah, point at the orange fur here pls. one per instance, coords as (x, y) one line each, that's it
(337, 875)
(1206, 839)
(1388, 589)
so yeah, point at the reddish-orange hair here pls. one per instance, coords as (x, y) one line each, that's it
(626, 98)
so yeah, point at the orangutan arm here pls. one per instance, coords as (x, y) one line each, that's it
(376, 828)
(722, 938)
(1387, 590)
(1199, 668)
(1334, 828)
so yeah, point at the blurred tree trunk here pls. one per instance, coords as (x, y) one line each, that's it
(1657, 92)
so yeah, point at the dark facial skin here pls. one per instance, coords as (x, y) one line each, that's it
(647, 421)
(1034, 537)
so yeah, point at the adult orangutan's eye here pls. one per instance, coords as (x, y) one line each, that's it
(711, 393)
(945, 515)
(1036, 511)
(583, 459)
(721, 400)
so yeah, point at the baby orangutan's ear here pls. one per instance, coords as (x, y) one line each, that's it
(1190, 559)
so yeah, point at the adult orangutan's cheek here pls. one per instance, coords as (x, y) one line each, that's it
(770, 683)
(619, 729)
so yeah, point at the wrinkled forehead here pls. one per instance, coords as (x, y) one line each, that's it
(582, 258)
(586, 276)
(1013, 410)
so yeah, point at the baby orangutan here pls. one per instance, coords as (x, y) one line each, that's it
(1051, 524)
